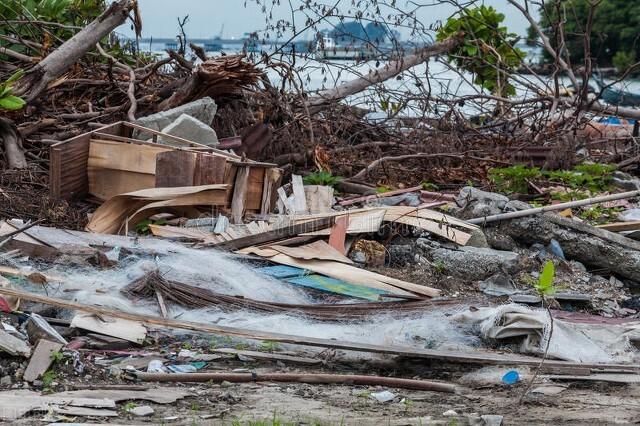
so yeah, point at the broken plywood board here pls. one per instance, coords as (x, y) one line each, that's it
(319, 198)
(360, 222)
(299, 200)
(621, 226)
(425, 213)
(16, 403)
(186, 168)
(111, 216)
(240, 192)
(13, 346)
(164, 395)
(115, 168)
(316, 250)
(41, 359)
(431, 221)
(122, 329)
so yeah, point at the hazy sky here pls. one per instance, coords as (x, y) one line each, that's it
(206, 17)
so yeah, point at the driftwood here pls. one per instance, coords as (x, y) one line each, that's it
(390, 70)
(61, 59)
(12, 141)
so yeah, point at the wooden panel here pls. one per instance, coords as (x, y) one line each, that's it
(175, 168)
(124, 156)
(106, 183)
(210, 169)
(240, 191)
(68, 164)
(255, 183)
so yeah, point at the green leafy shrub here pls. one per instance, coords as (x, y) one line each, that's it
(515, 178)
(321, 178)
(7, 100)
(623, 60)
(487, 51)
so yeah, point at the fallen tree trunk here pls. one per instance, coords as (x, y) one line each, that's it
(390, 70)
(61, 59)
(579, 241)
(12, 141)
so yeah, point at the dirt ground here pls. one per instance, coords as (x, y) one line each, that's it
(265, 403)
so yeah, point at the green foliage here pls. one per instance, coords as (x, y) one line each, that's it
(623, 60)
(583, 177)
(514, 179)
(57, 356)
(545, 285)
(321, 178)
(487, 51)
(7, 100)
(129, 406)
(143, 228)
(615, 28)
(598, 214)
(439, 267)
(382, 189)
(390, 107)
(268, 346)
(429, 186)
(48, 378)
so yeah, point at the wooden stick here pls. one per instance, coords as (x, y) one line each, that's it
(347, 379)
(554, 207)
(443, 355)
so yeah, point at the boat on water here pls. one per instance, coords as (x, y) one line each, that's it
(328, 49)
(615, 96)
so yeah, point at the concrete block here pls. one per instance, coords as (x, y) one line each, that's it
(191, 129)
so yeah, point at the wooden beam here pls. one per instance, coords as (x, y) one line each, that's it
(276, 234)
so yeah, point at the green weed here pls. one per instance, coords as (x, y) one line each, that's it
(321, 178)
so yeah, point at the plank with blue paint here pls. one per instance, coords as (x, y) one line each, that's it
(304, 278)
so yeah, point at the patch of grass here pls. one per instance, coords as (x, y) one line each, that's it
(57, 356)
(383, 188)
(268, 346)
(597, 214)
(48, 378)
(439, 266)
(429, 186)
(321, 178)
(514, 179)
(187, 345)
(129, 406)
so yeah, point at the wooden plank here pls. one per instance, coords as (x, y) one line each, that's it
(299, 199)
(239, 194)
(210, 169)
(255, 186)
(319, 198)
(621, 226)
(271, 356)
(107, 183)
(272, 179)
(275, 234)
(317, 250)
(363, 222)
(125, 156)
(440, 229)
(132, 331)
(41, 359)
(68, 164)
(476, 357)
(175, 168)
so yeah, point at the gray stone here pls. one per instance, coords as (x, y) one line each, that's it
(5, 381)
(625, 181)
(472, 263)
(401, 254)
(202, 109)
(499, 240)
(475, 203)
(492, 419)
(191, 129)
(478, 239)
(516, 205)
(142, 411)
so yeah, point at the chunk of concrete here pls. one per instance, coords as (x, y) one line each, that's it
(473, 263)
(142, 411)
(191, 129)
(474, 203)
(203, 109)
